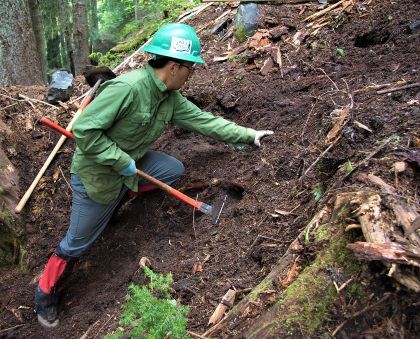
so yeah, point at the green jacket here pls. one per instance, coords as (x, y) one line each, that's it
(128, 114)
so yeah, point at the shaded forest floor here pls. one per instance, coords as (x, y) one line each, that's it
(296, 98)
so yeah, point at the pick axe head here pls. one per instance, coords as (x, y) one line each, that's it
(92, 74)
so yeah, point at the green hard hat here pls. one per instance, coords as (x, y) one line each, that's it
(178, 41)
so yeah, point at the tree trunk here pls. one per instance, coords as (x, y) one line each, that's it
(52, 31)
(93, 21)
(20, 63)
(64, 19)
(80, 35)
(38, 28)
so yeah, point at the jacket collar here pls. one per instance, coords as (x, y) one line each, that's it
(159, 84)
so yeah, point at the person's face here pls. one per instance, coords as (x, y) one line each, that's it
(180, 73)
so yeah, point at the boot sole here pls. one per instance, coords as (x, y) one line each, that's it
(47, 324)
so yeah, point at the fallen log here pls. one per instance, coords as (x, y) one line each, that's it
(292, 314)
(283, 266)
(387, 252)
(405, 277)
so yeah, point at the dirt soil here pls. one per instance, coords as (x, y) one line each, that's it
(296, 101)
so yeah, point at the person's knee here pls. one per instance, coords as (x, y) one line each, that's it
(179, 168)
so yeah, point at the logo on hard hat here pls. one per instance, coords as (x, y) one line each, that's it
(181, 45)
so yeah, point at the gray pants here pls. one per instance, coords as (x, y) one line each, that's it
(88, 218)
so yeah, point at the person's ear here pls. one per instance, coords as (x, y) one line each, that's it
(172, 68)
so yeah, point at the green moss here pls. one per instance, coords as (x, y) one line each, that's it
(306, 301)
(10, 248)
(356, 291)
(323, 232)
(263, 286)
(7, 219)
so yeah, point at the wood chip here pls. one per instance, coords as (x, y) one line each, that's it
(267, 66)
(226, 303)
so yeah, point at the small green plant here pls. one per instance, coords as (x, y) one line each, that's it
(240, 34)
(341, 52)
(150, 312)
(395, 138)
(317, 192)
(348, 167)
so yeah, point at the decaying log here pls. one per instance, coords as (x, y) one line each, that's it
(371, 218)
(377, 223)
(282, 267)
(226, 303)
(405, 214)
(388, 252)
(406, 278)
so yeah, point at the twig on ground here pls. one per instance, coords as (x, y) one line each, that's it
(197, 255)
(85, 335)
(319, 158)
(367, 308)
(342, 287)
(64, 177)
(306, 122)
(105, 323)
(196, 335)
(221, 209)
(11, 328)
(324, 11)
(395, 89)
(36, 100)
(211, 183)
(9, 97)
(11, 105)
(259, 236)
(337, 183)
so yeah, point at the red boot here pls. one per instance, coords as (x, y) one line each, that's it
(47, 290)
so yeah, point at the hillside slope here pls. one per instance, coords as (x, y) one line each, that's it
(318, 91)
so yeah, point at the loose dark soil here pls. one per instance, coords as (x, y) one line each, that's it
(248, 240)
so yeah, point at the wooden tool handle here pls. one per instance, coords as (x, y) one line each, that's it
(172, 191)
(87, 99)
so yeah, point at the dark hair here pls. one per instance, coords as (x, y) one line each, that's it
(161, 61)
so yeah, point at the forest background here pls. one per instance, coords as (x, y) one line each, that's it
(38, 37)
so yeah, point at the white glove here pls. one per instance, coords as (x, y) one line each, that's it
(259, 135)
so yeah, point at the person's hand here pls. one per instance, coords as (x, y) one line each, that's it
(130, 170)
(259, 135)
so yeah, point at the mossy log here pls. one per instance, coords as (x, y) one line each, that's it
(10, 226)
(298, 309)
(254, 299)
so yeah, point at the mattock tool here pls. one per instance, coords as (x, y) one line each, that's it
(201, 206)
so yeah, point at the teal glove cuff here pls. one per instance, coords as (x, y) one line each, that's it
(130, 170)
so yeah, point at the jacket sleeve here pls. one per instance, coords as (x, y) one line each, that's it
(189, 116)
(90, 128)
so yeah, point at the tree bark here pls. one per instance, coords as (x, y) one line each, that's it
(53, 32)
(37, 25)
(64, 19)
(80, 35)
(93, 21)
(20, 63)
